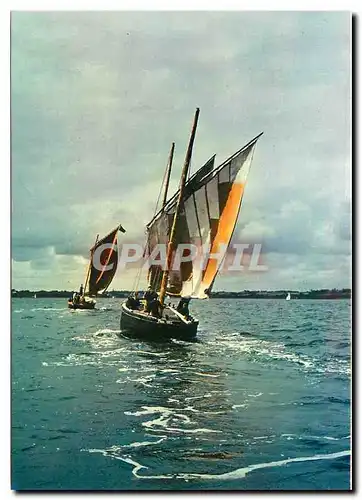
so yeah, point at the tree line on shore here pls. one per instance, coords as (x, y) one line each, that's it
(323, 293)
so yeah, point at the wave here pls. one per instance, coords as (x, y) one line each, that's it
(166, 417)
(232, 475)
(304, 436)
(103, 331)
(48, 309)
(117, 448)
(260, 350)
(106, 308)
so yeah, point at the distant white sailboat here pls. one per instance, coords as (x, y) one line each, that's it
(288, 297)
(34, 295)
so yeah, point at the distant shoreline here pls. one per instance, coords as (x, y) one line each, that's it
(325, 294)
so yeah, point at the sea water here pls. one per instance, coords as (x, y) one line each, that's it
(260, 402)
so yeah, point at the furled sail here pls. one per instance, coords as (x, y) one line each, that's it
(103, 264)
(207, 220)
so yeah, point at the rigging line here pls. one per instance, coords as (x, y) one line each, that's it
(160, 192)
(164, 187)
(137, 278)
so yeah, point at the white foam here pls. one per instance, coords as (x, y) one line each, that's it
(106, 330)
(204, 412)
(144, 443)
(147, 410)
(273, 350)
(163, 421)
(206, 375)
(47, 309)
(145, 381)
(151, 353)
(306, 436)
(336, 439)
(232, 475)
(208, 395)
(116, 449)
(194, 431)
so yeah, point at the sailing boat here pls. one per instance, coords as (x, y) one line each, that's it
(203, 212)
(98, 280)
(288, 297)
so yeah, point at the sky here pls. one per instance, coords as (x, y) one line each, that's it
(98, 97)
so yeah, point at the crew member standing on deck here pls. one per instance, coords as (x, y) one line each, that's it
(183, 307)
(149, 296)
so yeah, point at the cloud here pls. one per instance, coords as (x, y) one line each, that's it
(98, 97)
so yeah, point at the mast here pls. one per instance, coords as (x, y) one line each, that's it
(89, 266)
(178, 208)
(166, 181)
(168, 174)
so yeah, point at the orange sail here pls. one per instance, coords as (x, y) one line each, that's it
(207, 220)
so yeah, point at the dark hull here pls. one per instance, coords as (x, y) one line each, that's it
(84, 305)
(150, 328)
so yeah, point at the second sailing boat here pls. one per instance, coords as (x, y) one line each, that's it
(203, 212)
(100, 272)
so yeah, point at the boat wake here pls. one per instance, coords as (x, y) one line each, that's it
(106, 331)
(260, 350)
